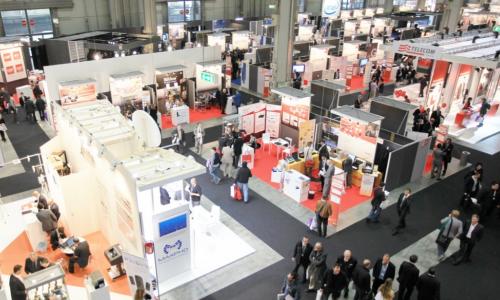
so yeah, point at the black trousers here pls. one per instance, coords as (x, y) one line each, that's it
(2, 134)
(402, 221)
(322, 179)
(327, 293)
(445, 165)
(71, 265)
(322, 225)
(42, 114)
(304, 269)
(466, 246)
(361, 294)
(376, 284)
(405, 292)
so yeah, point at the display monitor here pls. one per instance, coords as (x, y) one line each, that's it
(299, 68)
(173, 224)
(363, 62)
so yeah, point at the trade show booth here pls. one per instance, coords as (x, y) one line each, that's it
(77, 91)
(397, 114)
(126, 89)
(217, 39)
(170, 87)
(13, 64)
(137, 190)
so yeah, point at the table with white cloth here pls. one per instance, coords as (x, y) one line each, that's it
(280, 145)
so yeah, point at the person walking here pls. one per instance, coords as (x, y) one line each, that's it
(227, 161)
(180, 139)
(450, 228)
(290, 289)
(428, 286)
(361, 279)
(437, 161)
(471, 189)
(199, 133)
(301, 253)
(40, 106)
(213, 165)
(448, 152)
(3, 128)
(407, 278)
(385, 291)
(328, 177)
(485, 106)
(237, 150)
(334, 281)
(323, 212)
(308, 159)
(471, 234)
(347, 265)
(223, 102)
(30, 108)
(403, 209)
(12, 108)
(317, 267)
(382, 270)
(378, 197)
(242, 177)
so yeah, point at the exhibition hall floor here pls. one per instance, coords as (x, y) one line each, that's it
(195, 116)
(276, 231)
(471, 133)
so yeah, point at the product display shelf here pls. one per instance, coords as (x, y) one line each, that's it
(46, 283)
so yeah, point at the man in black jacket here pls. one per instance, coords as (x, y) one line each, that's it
(237, 149)
(347, 264)
(32, 263)
(242, 177)
(334, 281)
(16, 284)
(378, 198)
(382, 270)
(81, 255)
(408, 277)
(300, 256)
(471, 189)
(471, 234)
(40, 106)
(361, 279)
(403, 207)
(428, 286)
(489, 199)
(447, 151)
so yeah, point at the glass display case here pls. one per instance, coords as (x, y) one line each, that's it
(46, 283)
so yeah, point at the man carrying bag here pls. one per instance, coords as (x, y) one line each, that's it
(451, 227)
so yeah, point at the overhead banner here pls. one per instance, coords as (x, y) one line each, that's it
(331, 8)
(139, 276)
(77, 92)
(417, 50)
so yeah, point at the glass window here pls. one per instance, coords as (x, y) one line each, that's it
(176, 11)
(352, 4)
(193, 10)
(40, 21)
(14, 22)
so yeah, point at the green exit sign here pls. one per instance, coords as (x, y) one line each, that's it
(208, 77)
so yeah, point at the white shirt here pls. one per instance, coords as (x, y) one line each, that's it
(471, 228)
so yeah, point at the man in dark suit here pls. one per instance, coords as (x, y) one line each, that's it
(32, 263)
(489, 199)
(361, 279)
(408, 277)
(16, 284)
(472, 233)
(323, 150)
(347, 264)
(237, 150)
(471, 189)
(81, 255)
(347, 167)
(301, 254)
(403, 207)
(428, 286)
(54, 208)
(448, 151)
(334, 281)
(382, 270)
(378, 198)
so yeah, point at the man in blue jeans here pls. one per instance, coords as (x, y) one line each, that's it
(242, 177)
(378, 198)
(213, 165)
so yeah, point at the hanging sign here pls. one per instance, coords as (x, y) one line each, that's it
(416, 50)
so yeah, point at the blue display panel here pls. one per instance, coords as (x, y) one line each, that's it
(173, 224)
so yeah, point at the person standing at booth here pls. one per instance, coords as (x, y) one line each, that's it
(485, 106)
(378, 198)
(237, 150)
(437, 161)
(448, 152)
(347, 167)
(323, 212)
(403, 207)
(330, 171)
(195, 192)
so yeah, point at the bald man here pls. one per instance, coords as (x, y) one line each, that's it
(347, 265)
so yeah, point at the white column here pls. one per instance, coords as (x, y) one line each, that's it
(452, 14)
(150, 16)
(283, 44)
(388, 6)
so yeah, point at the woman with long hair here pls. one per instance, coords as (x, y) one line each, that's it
(385, 291)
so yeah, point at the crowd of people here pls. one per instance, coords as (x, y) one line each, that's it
(426, 121)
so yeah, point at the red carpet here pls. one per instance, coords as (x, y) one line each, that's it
(265, 162)
(194, 117)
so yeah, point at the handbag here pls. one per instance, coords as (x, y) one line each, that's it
(441, 239)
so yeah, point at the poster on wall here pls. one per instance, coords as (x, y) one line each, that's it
(273, 118)
(126, 87)
(358, 138)
(306, 133)
(76, 92)
(138, 275)
(260, 121)
(13, 64)
(253, 117)
(295, 111)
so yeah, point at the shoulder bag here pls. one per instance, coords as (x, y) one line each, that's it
(443, 240)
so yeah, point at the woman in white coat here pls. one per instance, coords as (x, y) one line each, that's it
(199, 133)
(227, 161)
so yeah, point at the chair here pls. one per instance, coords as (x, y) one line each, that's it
(266, 140)
(288, 150)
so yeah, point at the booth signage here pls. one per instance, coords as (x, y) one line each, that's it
(416, 50)
(208, 77)
(331, 8)
(138, 274)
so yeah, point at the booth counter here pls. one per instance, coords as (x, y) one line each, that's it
(299, 166)
(296, 185)
(357, 175)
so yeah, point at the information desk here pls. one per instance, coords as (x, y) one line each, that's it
(357, 175)
(299, 166)
(296, 185)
